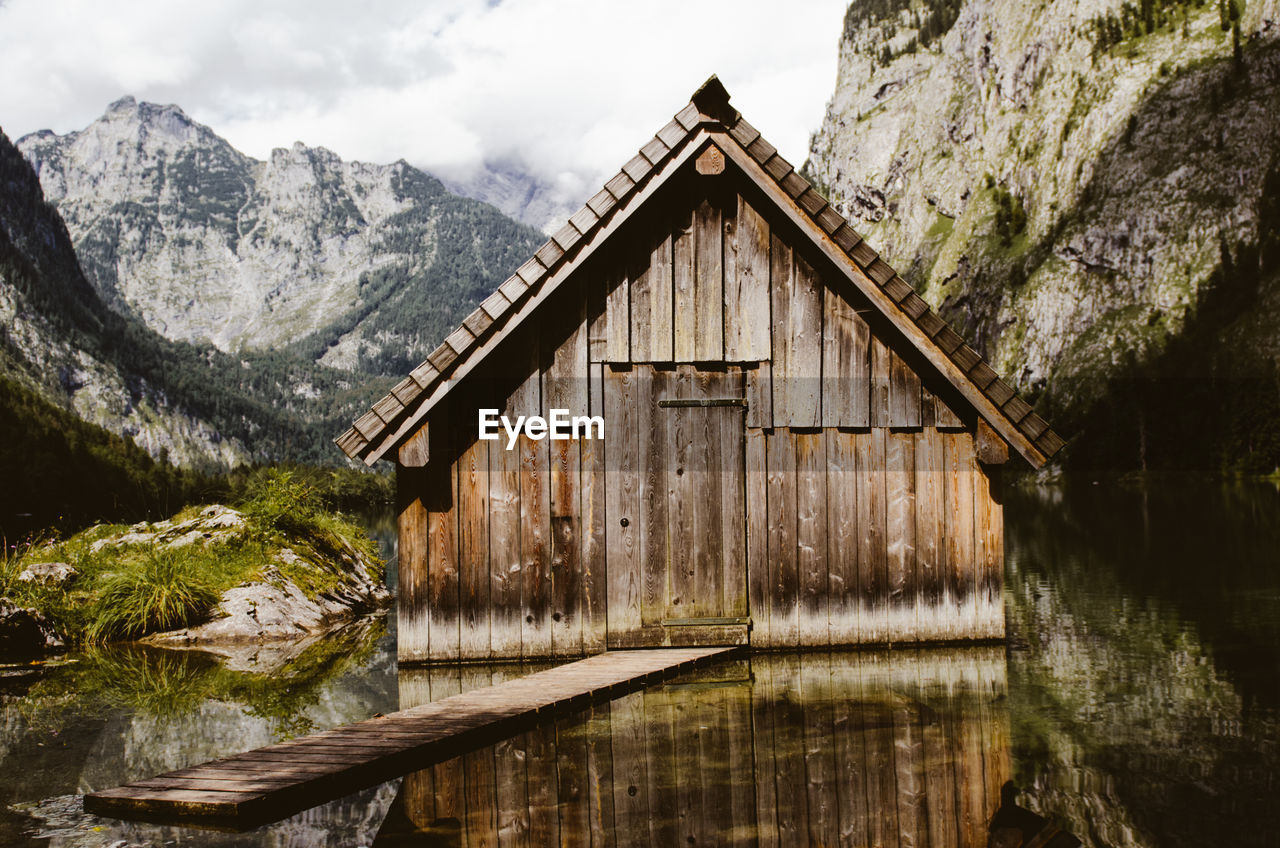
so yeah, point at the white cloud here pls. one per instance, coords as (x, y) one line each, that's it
(570, 87)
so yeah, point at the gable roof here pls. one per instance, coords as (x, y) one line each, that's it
(708, 117)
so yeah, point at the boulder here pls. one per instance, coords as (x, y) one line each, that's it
(25, 633)
(47, 573)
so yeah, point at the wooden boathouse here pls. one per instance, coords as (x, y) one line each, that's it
(796, 452)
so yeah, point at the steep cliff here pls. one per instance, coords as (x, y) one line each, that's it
(362, 266)
(1089, 189)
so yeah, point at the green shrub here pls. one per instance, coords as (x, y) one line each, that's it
(163, 593)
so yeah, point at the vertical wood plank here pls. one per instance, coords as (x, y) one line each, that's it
(708, 456)
(944, 416)
(651, 300)
(811, 538)
(746, 285)
(413, 545)
(617, 310)
(846, 364)
(757, 498)
(759, 394)
(960, 557)
(535, 523)
(684, 279)
(442, 523)
(842, 537)
(473, 548)
(599, 276)
(904, 393)
(989, 553)
(686, 503)
(708, 301)
(655, 468)
(900, 484)
(727, 460)
(880, 356)
(784, 584)
(797, 338)
(504, 548)
(594, 515)
(873, 563)
(622, 499)
(565, 387)
(931, 583)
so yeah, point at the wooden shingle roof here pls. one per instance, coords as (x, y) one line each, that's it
(708, 115)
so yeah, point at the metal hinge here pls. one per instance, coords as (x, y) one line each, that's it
(702, 402)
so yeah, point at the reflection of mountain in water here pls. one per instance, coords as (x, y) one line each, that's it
(1144, 625)
(905, 748)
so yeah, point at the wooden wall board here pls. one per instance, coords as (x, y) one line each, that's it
(622, 499)
(504, 549)
(651, 297)
(900, 536)
(746, 285)
(565, 386)
(904, 393)
(796, 336)
(812, 541)
(654, 465)
(474, 601)
(413, 610)
(846, 364)
(595, 587)
(442, 554)
(756, 480)
(783, 596)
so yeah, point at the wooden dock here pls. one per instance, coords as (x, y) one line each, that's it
(271, 783)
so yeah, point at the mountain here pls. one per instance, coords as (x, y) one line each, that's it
(517, 192)
(1090, 189)
(190, 404)
(358, 266)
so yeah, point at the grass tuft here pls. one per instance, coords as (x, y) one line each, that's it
(163, 594)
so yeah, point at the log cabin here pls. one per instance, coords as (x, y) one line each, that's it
(796, 450)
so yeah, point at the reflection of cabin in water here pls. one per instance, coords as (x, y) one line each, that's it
(797, 450)
(818, 748)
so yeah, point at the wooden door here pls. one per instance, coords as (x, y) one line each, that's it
(677, 517)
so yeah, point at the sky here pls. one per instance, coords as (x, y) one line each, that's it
(566, 89)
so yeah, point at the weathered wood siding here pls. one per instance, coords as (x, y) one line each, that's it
(786, 749)
(831, 493)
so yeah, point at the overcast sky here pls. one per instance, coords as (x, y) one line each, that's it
(571, 86)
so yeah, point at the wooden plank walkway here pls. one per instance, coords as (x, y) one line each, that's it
(271, 783)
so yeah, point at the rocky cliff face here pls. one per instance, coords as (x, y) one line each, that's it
(360, 263)
(1090, 190)
(57, 337)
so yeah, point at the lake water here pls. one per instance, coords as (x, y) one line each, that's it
(1137, 703)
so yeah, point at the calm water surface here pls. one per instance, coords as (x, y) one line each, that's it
(1138, 703)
